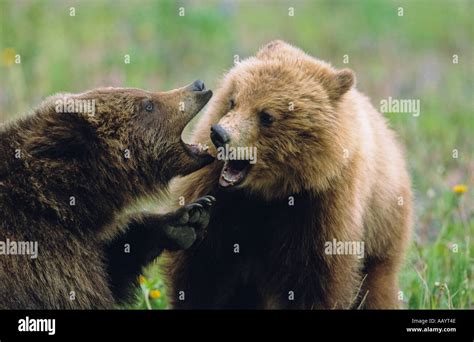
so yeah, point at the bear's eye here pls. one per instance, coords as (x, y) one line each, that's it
(266, 119)
(149, 106)
(231, 104)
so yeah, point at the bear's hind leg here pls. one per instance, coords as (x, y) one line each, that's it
(380, 289)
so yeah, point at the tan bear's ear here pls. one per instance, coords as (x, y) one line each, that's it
(277, 49)
(340, 84)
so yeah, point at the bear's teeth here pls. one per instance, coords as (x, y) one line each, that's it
(203, 147)
(231, 181)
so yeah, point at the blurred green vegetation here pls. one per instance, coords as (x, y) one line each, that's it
(406, 57)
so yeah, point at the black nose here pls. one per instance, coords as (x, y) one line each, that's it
(198, 86)
(219, 136)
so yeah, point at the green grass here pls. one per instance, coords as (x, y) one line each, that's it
(403, 57)
(152, 293)
(438, 274)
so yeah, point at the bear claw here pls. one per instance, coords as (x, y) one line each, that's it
(190, 220)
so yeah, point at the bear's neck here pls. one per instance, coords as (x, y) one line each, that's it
(256, 222)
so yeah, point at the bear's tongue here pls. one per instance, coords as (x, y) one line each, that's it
(233, 172)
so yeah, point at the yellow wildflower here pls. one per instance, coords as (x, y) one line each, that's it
(154, 294)
(460, 188)
(8, 56)
(141, 280)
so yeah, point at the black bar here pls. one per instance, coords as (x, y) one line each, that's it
(316, 325)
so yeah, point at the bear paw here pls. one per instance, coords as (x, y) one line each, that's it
(189, 221)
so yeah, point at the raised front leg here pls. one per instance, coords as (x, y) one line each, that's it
(145, 238)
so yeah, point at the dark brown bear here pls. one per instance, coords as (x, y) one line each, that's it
(320, 218)
(71, 175)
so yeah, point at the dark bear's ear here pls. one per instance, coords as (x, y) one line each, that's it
(340, 83)
(63, 136)
(277, 49)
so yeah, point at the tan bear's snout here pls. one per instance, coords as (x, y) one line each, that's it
(219, 136)
(234, 129)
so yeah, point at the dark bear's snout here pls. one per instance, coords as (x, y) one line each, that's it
(198, 86)
(195, 96)
(219, 136)
(192, 98)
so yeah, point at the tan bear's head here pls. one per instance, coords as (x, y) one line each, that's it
(129, 131)
(276, 122)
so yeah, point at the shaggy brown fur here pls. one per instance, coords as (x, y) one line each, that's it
(324, 147)
(66, 181)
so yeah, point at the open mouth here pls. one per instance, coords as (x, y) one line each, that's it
(199, 152)
(234, 172)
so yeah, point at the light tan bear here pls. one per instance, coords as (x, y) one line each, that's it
(320, 218)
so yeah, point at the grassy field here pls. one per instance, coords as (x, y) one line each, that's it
(425, 54)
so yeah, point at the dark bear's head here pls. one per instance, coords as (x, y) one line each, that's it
(277, 121)
(130, 130)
